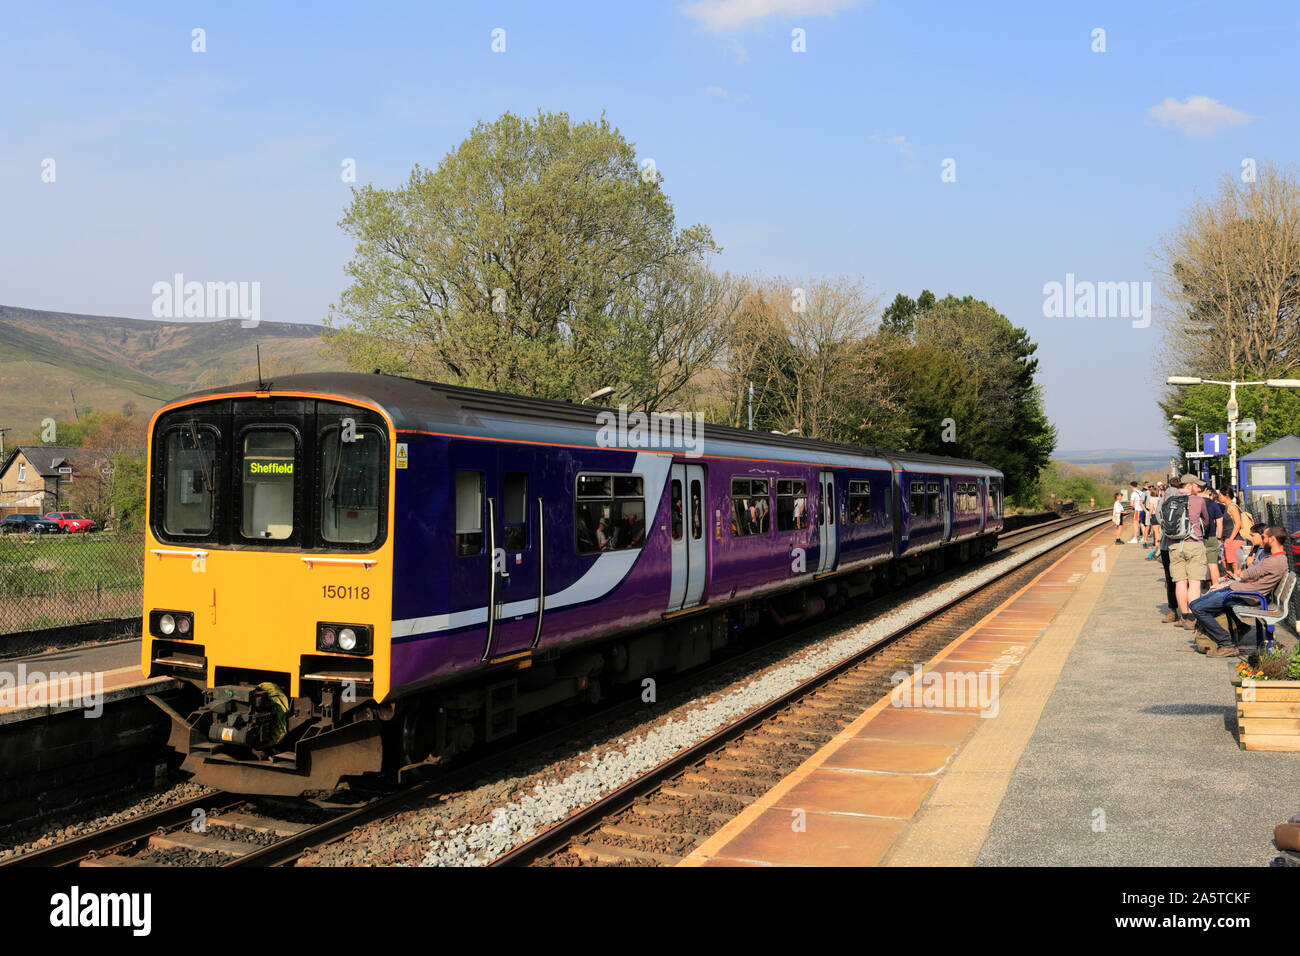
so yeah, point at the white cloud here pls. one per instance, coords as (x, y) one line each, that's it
(742, 55)
(904, 147)
(720, 15)
(716, 91)
(1198, 116)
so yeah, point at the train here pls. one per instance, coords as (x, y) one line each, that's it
(359, 574)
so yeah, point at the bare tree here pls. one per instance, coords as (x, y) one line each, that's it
(1231, 276)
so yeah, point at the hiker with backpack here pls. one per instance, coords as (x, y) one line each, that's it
(1171, 593)
(1183, 521)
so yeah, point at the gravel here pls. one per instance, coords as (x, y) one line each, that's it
(511, 815)
(111, 812)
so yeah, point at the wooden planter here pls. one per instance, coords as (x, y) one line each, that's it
(1268, 714)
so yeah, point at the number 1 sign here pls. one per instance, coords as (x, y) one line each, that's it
(1216, 443)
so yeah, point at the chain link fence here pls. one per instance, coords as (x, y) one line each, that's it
(52, 580)
(1288, 516)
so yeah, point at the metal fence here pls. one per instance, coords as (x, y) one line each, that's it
(57, 579)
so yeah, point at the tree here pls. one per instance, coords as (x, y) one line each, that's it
(1009, 427)
(1232, 273)
(1122, 472)
(1275, 411)
(805, 347)
(540, 258)
(936, 404)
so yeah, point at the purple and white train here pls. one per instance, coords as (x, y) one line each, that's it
(414, 566)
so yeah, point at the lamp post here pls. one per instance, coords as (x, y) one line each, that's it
(1232, 406)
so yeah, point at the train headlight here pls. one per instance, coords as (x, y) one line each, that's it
(344, 638)
(174, 624)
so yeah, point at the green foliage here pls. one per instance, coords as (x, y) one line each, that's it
(126, 492)
(1276, 412)
(1066, 483)
(524, 263)
(963, 361)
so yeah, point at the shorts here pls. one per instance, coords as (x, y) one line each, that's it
(1187, 561)
(1117, 522)
(1211, 551)
(1230, 549)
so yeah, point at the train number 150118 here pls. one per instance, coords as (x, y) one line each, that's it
(344, 591)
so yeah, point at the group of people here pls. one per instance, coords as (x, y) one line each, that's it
(1215, 558)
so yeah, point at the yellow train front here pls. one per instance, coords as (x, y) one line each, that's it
(268, 583)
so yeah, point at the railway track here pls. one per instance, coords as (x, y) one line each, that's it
(659, 817)
(223, 829)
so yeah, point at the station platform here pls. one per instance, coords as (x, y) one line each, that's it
(1109, 741)
(37, 685)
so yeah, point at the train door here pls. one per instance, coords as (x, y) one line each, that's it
(828, 523)
(517, 541)
(688, 517)
(982, 489)
(945, 502)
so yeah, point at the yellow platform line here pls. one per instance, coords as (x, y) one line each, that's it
(954, 820)
(714, 844)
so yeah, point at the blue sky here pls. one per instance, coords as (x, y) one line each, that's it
(225, 165)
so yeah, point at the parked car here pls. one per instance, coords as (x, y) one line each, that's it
(29, 524)
(70, 521)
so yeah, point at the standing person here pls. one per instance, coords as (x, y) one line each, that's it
(1117, 516)
(1171, 593)
(1135, 500)
(1213, 535)
(1184, 519)
(1231, 539)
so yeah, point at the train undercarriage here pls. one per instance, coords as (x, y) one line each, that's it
(248, 736)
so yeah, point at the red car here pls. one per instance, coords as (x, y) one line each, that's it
(70, 521)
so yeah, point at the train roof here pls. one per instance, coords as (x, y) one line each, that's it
(419, 405)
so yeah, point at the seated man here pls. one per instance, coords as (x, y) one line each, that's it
(1243, 589)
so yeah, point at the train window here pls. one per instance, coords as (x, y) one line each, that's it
(750, 508)
(675, 508)
(918, 499)
(351, 477)
(828, 502)
(697, 515)
(189, 478)
(514, 510)
(959, 497)
(270, 457)
(859, 502)
(469, 513)
(609, 513)
(791, 504)
(932, 499)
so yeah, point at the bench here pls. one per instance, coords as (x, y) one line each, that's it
(1270, 612)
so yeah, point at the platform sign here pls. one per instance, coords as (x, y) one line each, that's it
(1215, 443)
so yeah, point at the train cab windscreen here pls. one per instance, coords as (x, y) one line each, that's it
(285, 474)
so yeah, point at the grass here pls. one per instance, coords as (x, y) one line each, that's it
(49, 580)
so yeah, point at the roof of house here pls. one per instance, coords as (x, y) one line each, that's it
(1283, 448)
(46, 459)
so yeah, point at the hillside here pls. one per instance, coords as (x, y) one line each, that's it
(107, 361)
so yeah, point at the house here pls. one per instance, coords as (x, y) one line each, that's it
(33, 477)
(1271, 474)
